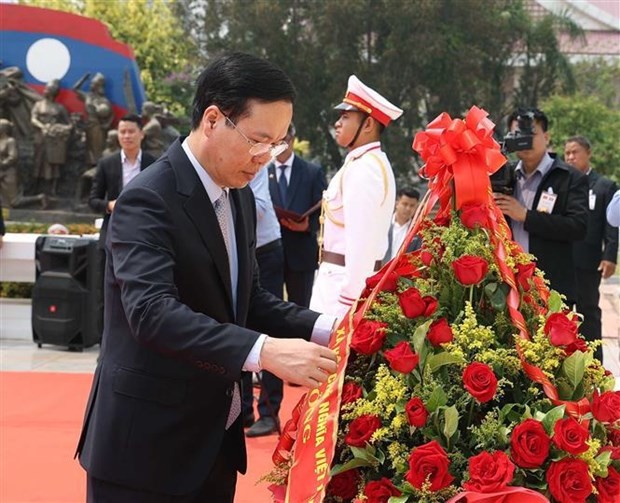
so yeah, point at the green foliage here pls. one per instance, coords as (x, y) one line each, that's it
(154, 32)
(12, 290)
(600, 78)
(588, 116)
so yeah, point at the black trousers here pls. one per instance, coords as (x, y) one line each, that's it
(588, 297)
(219, 487)
(299, 286)
(271, 269)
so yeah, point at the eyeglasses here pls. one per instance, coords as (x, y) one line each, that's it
(260, 149)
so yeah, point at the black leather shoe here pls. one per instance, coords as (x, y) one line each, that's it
(264, 426)
(248, 420)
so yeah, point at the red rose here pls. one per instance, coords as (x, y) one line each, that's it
(614, 451)
(439, 332)
(474, 215)
(442, 220)
(560, 329)
(608, 487)
(361, 429)
(570, 436)
(606, 407)
(368, 337)
(613, 435)
(344, 484)
(416, 412)
(578, 345)
(525, 272)
(489, 473)
(401, 358)
(426, 257)
(351, 392)
(429, 462)
(380, 491)
(569, 480)
(529, 444)
(405, 267)
(480, 381)
(470, 270)
(414, 305)
(391, 281)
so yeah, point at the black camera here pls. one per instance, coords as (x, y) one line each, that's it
(523, 136)
(504, 179)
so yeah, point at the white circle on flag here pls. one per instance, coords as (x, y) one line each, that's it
(47, 59)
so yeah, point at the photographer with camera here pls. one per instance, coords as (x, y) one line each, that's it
(595, 255)
(548, 210)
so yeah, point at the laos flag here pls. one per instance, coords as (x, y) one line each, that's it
(48, 44)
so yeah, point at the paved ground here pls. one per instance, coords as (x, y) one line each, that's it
(23, 355)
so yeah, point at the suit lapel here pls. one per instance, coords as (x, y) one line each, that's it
(243, 255)
(273, 187)
(294, 181)
(201, 212)
(117, 173)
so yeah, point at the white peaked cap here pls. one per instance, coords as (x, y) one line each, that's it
(361, 98)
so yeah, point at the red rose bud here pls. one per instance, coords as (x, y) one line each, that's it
(578, 345)
(380, 491)
(606, 407)
(440, 332)
(405, 267)
(414, 305)
(416, 412)
(391, 281)
(569, 480)
(529, 444)
(344, 485)
(442, 221)
(426, 257)
(470, 270)
(368, 337)
(613, 435)
(429, 462)
(401, 358)
(474, 215)
(351, 392)
(480, 381)
(489, 473)
(570, 436)
(525, 272)
(361, 429)
(561, 329)
(609, 487)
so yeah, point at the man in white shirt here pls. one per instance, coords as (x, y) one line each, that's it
(358, 203)
(407, 200)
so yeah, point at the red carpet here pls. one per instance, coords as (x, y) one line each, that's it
(40, 419)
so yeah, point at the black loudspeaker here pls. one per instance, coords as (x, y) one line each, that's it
(67, 303)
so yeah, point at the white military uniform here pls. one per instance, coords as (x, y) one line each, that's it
(358, 206)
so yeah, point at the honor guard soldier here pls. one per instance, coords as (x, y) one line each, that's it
(358, 203)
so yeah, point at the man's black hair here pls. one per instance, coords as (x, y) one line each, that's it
(132, 118)
(409, 192)
(580, 140)
(233, 79)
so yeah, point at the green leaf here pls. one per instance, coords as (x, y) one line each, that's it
(603, 460)
(349, 465)
(555, 302)
(437, 399)
(552, 417)
(444, 358)
(451, 415)
(419, 336)
(574, 366)
(367, 453)
(398, 499)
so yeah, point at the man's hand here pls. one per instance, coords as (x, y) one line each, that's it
(607, 268)
(298, 361)
(111, 205)
(510, 207)
(292, 225)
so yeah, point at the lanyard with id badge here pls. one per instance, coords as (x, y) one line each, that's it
(547, 201)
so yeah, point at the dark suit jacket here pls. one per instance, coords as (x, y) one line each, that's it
(107, 185)
(172, 346)
(552, 235)
(589, 252)
(306, 186)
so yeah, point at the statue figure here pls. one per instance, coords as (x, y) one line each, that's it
(10, 189)
(99, 115)
(52, 130)
(111, 143)
(153, 141)
(16, 101)
(169, 132)
(9, 185)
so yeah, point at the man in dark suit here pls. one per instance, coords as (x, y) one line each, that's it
(549, 211)
(184, 310)
(116, 170)
(301, 188)
(596, 255)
